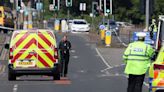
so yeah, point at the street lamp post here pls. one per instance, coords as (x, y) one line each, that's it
(147, 15)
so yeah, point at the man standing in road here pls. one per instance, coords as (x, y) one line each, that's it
(137, 58)
(64, 47)
(153, 29)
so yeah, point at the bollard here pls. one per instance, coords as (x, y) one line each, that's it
(29, 24)
(57, 25)
(25, 23)
(102, 33)
(108, 38)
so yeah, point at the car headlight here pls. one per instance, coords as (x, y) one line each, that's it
(116, 28)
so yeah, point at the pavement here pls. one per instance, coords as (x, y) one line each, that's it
(91, 69)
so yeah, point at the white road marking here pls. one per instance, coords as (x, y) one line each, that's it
(105, 62)
(15, 88)
(112, 67)
(73, 51)
(75, 57)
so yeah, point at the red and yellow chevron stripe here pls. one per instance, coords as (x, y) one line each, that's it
(41, 42)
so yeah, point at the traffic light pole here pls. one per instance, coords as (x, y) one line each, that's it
(68, 13)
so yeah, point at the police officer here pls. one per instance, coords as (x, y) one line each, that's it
(64, 47)
(137, 58)
(153, 29)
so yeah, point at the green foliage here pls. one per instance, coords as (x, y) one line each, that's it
(123, 10)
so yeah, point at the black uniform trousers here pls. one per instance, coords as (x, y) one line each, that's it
(64, 64)
(135, 83)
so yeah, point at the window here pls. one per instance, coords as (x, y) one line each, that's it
(162, 31)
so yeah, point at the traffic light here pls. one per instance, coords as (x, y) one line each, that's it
(18, 5)
(142, 6)
(108, 10)
(33, 4)
(95, 9)
(68, 3)
(56, 5)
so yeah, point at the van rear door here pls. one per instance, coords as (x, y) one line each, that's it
(24, 49)
(46, 49)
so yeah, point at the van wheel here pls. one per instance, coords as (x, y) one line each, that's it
(11, 76)
(56, 76)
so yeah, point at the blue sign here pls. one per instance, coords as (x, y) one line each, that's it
(102, 27)
(108, 33)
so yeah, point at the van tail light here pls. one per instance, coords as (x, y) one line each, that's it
(11, 53)
(158, 66)
(56, 53)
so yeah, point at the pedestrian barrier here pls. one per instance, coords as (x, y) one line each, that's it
(124, 44)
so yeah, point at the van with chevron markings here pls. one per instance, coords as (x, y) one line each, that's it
(33, 52)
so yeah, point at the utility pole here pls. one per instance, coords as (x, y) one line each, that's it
(105, 7)
(147, 15)
(100, 6)
(111, 5)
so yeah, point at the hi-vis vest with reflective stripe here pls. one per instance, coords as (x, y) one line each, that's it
(137, 58)
(33, 45)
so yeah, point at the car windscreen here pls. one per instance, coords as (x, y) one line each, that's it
(112, 23)
(79, 22)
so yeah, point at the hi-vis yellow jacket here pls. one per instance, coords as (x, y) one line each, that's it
(137, 58)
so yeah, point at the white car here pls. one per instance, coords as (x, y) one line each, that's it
(79, 25)
(125, 24)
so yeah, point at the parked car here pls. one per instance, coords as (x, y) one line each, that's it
(79, 25)
(111, 25)
(125, 24)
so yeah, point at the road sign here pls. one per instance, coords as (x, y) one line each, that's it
(102, 27)
(108, 33)
(82, 6)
